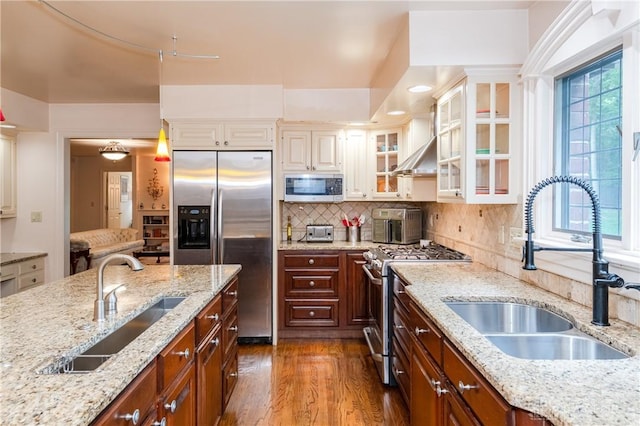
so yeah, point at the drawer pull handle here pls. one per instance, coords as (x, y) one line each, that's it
(311, 261)
(233, 374)
(171, 407)
(33, 280)
(434, 384)
(418, 331)
(312, 313)
(441, 391)
(134, 418)
(213, 317)
(215, 341)
(464, 387)
(184, 353)
(233, 328)
(398, 372)
(398, 326)
(162, 422)
(33, 266)
(312, 283)
(232, 293)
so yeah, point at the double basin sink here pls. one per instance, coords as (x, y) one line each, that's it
(113, 343)
(530, 332)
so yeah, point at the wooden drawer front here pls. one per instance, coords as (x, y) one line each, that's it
(140, 395)
(399, 291)
(485, 402)
(29, 280)
(426, 404)
(400, 367)
(311, 313)
(311, 260)
(9, 271)
(230, 296)
(177, 355)
(401, 330)
(322, 283)
(179, 402)
(208, 319)
(229, 333)
(31, 265)
(426, 333)
(229, 378)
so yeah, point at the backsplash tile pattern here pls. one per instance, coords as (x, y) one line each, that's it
(303, 214)
(461, 226)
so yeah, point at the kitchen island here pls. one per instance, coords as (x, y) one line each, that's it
(566, 392)
(40, 325)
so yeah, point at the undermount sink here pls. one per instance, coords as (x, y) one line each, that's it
(554, 346)
(506, 317)
(100, 352)
(530, 332)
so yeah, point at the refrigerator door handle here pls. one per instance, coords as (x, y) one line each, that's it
(220, 259)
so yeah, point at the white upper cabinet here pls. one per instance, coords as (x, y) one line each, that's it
(215, 135)
(355, 166)
(386, 145)
(311, 151)
(479, 140)
(8, 206)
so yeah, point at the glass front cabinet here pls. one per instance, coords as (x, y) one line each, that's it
(479, 139)
(387, 148)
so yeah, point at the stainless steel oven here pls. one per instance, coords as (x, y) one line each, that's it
(380, 331)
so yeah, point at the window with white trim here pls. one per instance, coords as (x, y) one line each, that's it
(588, 145)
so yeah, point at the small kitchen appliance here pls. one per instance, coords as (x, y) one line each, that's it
(380, 289)
(397, 226)
(314, 188)
(319, 233)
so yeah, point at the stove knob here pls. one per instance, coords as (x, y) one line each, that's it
(377, 263)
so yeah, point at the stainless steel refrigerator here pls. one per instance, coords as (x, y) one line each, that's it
(222, 205)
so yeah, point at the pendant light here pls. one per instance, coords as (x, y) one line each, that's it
(162, 150)
(114, 151)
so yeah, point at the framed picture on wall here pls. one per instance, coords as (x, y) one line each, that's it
(124, 189)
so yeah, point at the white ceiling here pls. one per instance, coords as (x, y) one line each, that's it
(296, 44)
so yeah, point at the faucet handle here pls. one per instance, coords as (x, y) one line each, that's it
(635, 286)
(111, 299)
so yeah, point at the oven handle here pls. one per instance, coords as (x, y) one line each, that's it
(374, 280)
(376, 357)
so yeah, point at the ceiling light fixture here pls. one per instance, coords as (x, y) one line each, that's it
(419, 88)
(2, 115)
(162, 150)
(114, 151)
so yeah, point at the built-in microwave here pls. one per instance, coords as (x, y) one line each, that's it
(314, 188)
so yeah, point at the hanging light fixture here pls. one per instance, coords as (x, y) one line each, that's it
(2, 115)
(162, 150)
(114, 151)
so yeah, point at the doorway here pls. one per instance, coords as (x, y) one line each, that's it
(119, 199)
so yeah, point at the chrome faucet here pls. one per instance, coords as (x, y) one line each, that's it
(98, 304)
(601, 278)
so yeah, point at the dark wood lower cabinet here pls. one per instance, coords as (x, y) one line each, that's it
(179, 403)
(209, 380)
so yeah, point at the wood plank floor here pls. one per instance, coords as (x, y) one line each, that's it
(312, 382)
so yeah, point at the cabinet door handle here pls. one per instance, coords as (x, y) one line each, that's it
(217, 142)
(226, 143)
(441, 391)
(184, 353)
(232, 293)
(312, 283)
(33, 266)
(134, 417)
(311, 261)
(215, 341)
(233, 374)
(233, 328)
(464, 387)
(434, 384)
(398, 326)
(212, 317)
(418, 331)
(398, 372)
(172, 406)
(162, 422)
(33, 280)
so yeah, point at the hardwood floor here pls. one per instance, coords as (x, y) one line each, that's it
(312, 382)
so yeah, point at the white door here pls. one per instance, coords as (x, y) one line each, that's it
(119, 201)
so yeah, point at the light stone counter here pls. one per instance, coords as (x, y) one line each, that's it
(335, 245)
(10, 258)
(581, 393)
(39, 325)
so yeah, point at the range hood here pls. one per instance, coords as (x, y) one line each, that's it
(420, 163)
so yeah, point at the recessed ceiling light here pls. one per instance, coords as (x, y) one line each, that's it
(7, 126)
(396, 112)
(420, 88)
(357, 123)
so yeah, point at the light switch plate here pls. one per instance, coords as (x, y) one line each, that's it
(36, 216)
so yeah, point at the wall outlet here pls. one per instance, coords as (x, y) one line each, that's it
(515, 237)
(36, 216)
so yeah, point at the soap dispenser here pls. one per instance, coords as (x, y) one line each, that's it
(289, 229)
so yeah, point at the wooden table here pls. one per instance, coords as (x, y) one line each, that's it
(151, 253)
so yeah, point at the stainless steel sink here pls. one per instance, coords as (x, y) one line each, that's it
(529, 332)
(554, 347)
(97, 354)
(505, 317)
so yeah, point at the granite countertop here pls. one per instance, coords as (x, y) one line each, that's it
(567, 392)
(335, 245)
(9, 258)
(39, 325)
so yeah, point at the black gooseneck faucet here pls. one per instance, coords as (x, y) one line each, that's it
(601, 277)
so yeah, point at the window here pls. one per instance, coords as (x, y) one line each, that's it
(588, 145)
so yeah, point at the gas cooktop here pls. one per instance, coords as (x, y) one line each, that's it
(432, 252)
